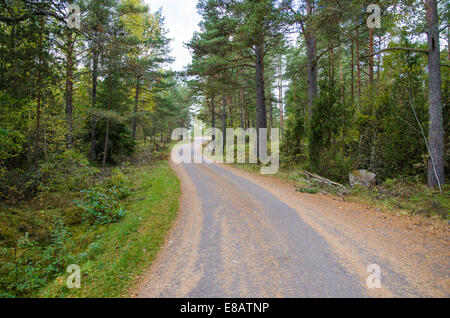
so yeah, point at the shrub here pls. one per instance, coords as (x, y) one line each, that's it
(118, 185)
(101, 208)
(308, 190)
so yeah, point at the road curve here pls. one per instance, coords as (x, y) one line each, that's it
(242, 235)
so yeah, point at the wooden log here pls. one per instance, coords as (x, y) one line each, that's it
(322, 179)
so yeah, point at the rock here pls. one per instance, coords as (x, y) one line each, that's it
(362, 177)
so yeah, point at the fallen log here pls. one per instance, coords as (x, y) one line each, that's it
(322, 179)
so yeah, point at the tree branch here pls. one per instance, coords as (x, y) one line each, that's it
(396, 49)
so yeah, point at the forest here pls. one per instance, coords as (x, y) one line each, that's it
(88, 103)
(78, 108)
(344, 96)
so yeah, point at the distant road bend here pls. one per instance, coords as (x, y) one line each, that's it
(244, 235)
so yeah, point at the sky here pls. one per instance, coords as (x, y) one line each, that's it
(181, 19)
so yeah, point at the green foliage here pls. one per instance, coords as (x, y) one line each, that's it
(102, 204)
(102, 207)
(11, 143)
(325, 155)
(391, 143)
(292, 150)
(64, 172)
(120, 143)
(68, 171)
(308, 190)
(28, 266)
(114, 256)
(47, 117)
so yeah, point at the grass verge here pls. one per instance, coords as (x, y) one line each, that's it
(402, 196)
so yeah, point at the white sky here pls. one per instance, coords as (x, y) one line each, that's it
(181, 19)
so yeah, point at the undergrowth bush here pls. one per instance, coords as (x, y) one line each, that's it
(101, 205)
(28, 265)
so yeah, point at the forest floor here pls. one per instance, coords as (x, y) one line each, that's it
(239, 234)
(121, 251)
(111, 256)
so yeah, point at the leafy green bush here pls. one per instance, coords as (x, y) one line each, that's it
(11, 143)
(118, 185)
(292, 150)
(100, 207)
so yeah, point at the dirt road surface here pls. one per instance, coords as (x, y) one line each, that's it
(243, 235)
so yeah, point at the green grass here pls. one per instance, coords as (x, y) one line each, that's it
(308, 190)
(112, 257)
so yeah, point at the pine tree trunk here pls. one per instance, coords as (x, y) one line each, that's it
(105, 148)
(224, 121)
(358, 68)
(135, 109)
(271, 116)
(436, 173)
(371, 57)
(280, 96)
(93, 153)
(69, 89)
(311, 52)
(241, 96)
(213, 118)
(261, 113)
(379, 60)
(331, 65)
(44, 133)
(37, 152)
(352, 82)
(312, 71)
(341, 81)
(230, 109)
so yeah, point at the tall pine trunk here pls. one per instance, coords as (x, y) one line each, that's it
(371, 64)
(436, 175)
(213, 118)
(311, 52)
(135, 109)
(69, 89)
(224, 122)
(241, 97)
(37, 151)
(352, 82)
(280, 96)
(108, 122)
(312, 71)
(93, 153)
(358, 69)
(261, 113)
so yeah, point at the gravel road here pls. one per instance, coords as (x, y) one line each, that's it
(243, 235)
